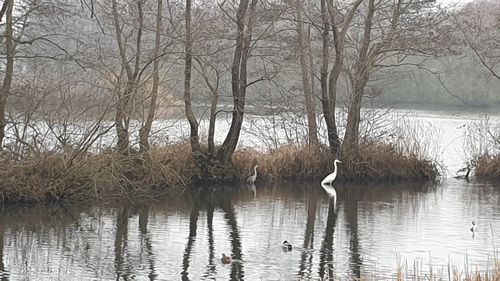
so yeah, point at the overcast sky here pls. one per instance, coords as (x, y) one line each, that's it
(453, 1)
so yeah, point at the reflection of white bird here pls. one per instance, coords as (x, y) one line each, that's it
(331, 177)
(251, 179)
(332, 193)
(330, 190)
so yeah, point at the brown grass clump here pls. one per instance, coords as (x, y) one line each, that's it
(386, 162)
(488, 166)
(375, 162)
(57, 176)
(289, 162)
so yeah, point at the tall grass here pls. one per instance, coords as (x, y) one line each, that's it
(418, 271)
(294, 162)
(482, 147)
(56, 176)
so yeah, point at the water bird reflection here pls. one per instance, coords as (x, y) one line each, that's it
(332, 193)
(253, 189)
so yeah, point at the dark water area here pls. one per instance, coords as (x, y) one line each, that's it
(369, 231)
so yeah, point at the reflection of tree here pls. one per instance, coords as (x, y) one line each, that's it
(211, 265)
(211, 199)
(193, 221)
(326, 251)
(308, 237)
(2, 265)
(351, 213)
(146, 240)
(236, 267)
(121, 242)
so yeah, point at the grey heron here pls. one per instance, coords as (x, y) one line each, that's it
(251, 179)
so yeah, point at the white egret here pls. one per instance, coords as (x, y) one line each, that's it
(331, 177)
(251, 179)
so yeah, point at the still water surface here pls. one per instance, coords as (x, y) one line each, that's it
(179, 237)
(371, 230)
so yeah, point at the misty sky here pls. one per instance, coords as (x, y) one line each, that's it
(453, 1)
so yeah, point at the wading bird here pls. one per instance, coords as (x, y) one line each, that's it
(251, 179)
(287, 246)
(331, 177)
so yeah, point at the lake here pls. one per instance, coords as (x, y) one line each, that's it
(371, 230)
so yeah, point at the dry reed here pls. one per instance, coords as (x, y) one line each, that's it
(56, 176)
(376, 162)
(488, 166)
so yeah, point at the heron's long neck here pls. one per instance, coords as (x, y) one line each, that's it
(255, 171)
(335, 170)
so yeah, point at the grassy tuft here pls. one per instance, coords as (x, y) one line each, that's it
(57, 176)
(52, 177)
(293, 162)
(488, 166)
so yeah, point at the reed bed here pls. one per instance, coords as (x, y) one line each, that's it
(482, 147)
(488, 166)
(294, 162)
(57, 176)
(62, 176)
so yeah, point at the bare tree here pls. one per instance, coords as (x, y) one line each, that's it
(146, 128)
(359, 81)
(390, 31)
(479, 26)
(239, 83)
(304, 53)
(328, 79)
(9, 69)
(125, 96)
(193, 123)
(213, 86)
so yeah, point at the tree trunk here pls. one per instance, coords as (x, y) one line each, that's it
(214, 89)
(211, 124)
(9, 68)
(121, 123)
(326, 101)
(193, 123)
(123, 108)
(306, 82)
(360, 79)
(146, 128)
(238, 78)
